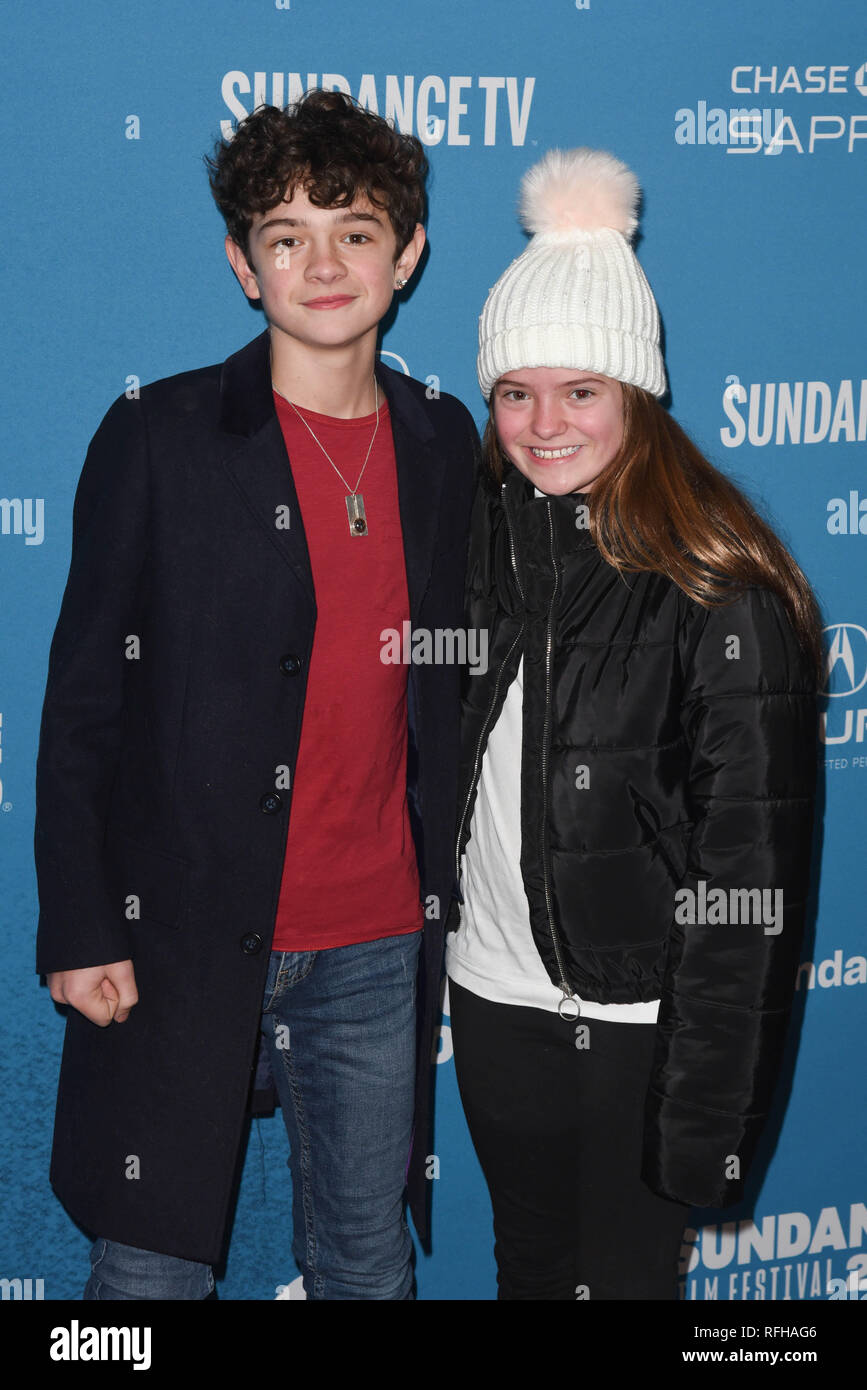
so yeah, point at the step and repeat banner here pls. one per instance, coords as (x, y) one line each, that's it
(746, 124)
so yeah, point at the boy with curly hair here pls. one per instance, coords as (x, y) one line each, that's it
(244, 810)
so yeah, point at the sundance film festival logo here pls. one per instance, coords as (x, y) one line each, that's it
(794, 412)
(833, 972)
(845, 678)
(789, 1255)
(448, 110)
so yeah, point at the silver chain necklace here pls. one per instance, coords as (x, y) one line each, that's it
(354, 500)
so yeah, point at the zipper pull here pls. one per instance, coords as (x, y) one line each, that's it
(568, 1008)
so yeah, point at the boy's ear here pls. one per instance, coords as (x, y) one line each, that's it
(408, 258)
(241, 266)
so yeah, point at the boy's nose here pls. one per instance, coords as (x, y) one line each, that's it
(325, 264)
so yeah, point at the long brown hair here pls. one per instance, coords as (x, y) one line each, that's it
(660, 506)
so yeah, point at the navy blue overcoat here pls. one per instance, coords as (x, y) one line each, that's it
(157, 766)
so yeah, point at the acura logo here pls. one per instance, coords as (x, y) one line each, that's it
(846, 664)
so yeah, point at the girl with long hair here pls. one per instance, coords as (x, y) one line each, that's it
(638, 782)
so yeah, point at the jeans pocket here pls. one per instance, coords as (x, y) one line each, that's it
(275, 980)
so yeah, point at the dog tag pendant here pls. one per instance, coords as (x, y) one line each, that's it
(355, 512)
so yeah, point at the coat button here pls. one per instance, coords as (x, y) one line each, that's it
(270, 803)
(290, 665)
(251, 944)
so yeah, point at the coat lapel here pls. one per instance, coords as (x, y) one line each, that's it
(257, 461)
(419, 480)
(256, 457)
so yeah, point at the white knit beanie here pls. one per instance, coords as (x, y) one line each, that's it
(577, 296)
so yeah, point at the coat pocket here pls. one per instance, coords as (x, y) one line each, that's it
(156, 879)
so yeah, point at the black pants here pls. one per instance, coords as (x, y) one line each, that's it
(558, 1132)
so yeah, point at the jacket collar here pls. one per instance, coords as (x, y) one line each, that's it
(245, 388)
(519, 491)
(248, 402)
(518, 495)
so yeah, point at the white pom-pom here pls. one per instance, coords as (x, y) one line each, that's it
(582, 188)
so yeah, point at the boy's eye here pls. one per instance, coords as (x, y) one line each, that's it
(357, 238)
(288, 241)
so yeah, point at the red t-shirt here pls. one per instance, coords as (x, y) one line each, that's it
(350, 872)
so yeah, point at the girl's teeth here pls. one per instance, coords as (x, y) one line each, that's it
(554, 453)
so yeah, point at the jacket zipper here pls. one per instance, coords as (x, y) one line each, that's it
(511, 540)
(569, 1007)
(505, 662)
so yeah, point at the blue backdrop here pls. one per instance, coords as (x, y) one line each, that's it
(747, 127)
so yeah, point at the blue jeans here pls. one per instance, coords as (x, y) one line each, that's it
(339, 1025)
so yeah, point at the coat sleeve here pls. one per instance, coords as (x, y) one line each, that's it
(749, 716)
(80, 923)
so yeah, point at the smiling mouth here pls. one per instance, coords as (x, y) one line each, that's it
(554, 453)
(331, 301)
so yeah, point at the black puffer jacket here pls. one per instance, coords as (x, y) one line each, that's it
(667, 747)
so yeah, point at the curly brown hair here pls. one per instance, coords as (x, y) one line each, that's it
(329, 146)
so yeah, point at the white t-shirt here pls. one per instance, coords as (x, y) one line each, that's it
(493, 953)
